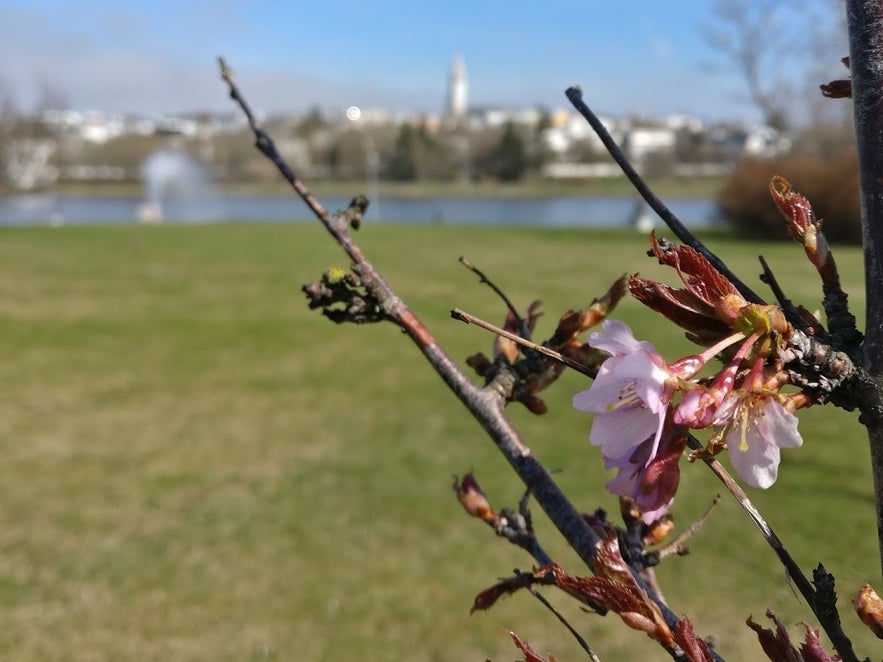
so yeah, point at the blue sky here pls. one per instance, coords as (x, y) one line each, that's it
(642, 56)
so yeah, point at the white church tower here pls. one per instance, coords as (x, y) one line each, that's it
(458, 90)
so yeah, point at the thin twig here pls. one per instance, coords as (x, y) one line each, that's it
(582, 642)
(463, 316)
(522, 323)
(677, 545)
(830, 622)
(575, 95)
(785, 303)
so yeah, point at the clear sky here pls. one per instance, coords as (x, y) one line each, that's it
(630, 56)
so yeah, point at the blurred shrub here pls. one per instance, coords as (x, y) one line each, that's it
(830, 184)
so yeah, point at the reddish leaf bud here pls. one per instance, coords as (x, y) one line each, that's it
(472, 499)
(869, 608)
(802, 223)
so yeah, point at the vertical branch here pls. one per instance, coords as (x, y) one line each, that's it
(865, 21)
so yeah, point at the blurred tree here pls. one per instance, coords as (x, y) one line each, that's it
(8, 119)
(312, 122)
(508, 160)
(540, 153)
(755, 36)
(402, 163)
(418, 155)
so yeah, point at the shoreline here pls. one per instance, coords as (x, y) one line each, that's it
(618, 187)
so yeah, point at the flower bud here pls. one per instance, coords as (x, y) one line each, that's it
(472, 499)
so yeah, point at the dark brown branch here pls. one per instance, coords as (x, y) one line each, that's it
(575, 95)
(787, 306)
(865, 23)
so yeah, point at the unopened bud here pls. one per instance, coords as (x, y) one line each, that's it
(472, 499)
(869, 608)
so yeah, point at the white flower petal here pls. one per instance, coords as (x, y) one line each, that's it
(778, 425)
(758, 464)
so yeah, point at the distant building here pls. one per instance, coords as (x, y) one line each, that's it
(458, 90)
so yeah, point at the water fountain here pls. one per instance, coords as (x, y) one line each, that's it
(176, 185)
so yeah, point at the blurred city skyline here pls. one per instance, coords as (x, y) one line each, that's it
(641, 58)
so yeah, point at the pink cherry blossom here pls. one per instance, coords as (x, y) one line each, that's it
(630, 395)
(650, 481)
(756, 426)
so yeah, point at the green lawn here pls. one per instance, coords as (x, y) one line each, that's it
(197, 467)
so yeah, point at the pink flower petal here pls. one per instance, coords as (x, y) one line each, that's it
(618, 432)
(617, 339)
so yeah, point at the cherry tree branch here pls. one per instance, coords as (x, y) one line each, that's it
(485, 404)
(865, 23)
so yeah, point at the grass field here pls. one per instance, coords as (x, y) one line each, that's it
(197, 467)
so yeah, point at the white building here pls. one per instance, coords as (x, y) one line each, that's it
(458, 90)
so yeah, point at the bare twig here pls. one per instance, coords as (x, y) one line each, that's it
(522, 323)
(787, 306)
(463, 316)
(575, 95)
(676, 546)
(576, 635)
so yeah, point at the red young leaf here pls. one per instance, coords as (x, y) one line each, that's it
(837, 89)
(802, 224)
(696, 272)
(777, 645)
(488, 597)
(695, 649)
(811, 648)
(625, 597)
(681, 307)
(530, 655)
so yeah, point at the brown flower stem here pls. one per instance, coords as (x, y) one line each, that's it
(825, 611)
(865, 23)
(575, 95)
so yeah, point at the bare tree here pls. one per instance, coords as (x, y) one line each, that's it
(756, 36)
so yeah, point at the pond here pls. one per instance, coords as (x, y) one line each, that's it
(35, 210)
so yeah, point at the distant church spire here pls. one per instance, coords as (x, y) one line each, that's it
(458, 90)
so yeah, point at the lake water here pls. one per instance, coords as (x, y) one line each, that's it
(540, 212)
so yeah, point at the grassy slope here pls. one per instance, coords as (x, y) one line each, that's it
(197, 467)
